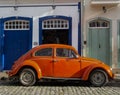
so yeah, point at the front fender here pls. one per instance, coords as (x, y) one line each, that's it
(27, 63)
(90, 68)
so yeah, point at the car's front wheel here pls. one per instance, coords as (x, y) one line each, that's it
(98, 78)
(27, 77)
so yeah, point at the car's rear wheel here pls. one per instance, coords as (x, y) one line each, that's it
(27, 77)
(98, 78)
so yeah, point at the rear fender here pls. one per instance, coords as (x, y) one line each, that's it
(29, 63)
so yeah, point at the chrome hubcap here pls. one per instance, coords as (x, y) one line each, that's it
(27, 77)
(98, 78)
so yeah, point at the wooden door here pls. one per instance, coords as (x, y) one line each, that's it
(99, 44)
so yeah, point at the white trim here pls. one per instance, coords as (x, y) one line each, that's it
(98, 27)
(55, 24)
(99, 24)
(17, 25)
(105, 1)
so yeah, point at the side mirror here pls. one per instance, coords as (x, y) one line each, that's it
(77, 56)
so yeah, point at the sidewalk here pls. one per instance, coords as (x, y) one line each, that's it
(117, 77)
(3, 75)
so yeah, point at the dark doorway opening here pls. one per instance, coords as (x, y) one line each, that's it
(55, 36)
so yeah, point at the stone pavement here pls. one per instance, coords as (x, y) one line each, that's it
(59, 88)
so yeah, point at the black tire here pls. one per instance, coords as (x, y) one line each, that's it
(27, 77)
(98, 78)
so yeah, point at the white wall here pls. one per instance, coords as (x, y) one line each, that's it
(37, 12)
(12, 2)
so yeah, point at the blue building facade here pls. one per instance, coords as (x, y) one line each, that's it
(25, 29)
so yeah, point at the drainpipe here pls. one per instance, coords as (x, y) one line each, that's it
(79, 30)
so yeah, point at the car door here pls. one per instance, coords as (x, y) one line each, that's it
(66, 64)
(44, 57)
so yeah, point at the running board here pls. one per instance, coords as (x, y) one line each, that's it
(53, 78)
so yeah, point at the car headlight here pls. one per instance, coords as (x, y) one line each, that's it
(111, 69)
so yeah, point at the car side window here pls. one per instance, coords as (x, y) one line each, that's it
(44, 52)
(64, 52)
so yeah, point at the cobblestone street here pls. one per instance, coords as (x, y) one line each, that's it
(59, 88)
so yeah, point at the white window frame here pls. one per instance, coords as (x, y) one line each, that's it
(17, 25)
(99, 24)
(55, 24)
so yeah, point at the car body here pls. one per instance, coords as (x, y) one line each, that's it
(57, 61)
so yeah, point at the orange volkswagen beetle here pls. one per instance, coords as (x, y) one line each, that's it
(56, 61)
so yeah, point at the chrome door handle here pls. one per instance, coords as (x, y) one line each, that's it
(54, 60)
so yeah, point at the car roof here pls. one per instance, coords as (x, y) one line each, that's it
(53, 45)
(45, 46)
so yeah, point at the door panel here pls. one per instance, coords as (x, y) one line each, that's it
(46, 65)
(104, 47)
(99, 44)
(67, 68)
(44, 58)
(119, 46)
(16, 44)
(93, 43)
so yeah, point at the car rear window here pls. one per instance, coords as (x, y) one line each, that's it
(44, 52)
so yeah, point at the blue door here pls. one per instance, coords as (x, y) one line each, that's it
(1, 45)
(17, 40)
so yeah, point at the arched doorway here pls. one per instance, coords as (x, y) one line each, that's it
(55, 30)
(17, 39)
(99, 40)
